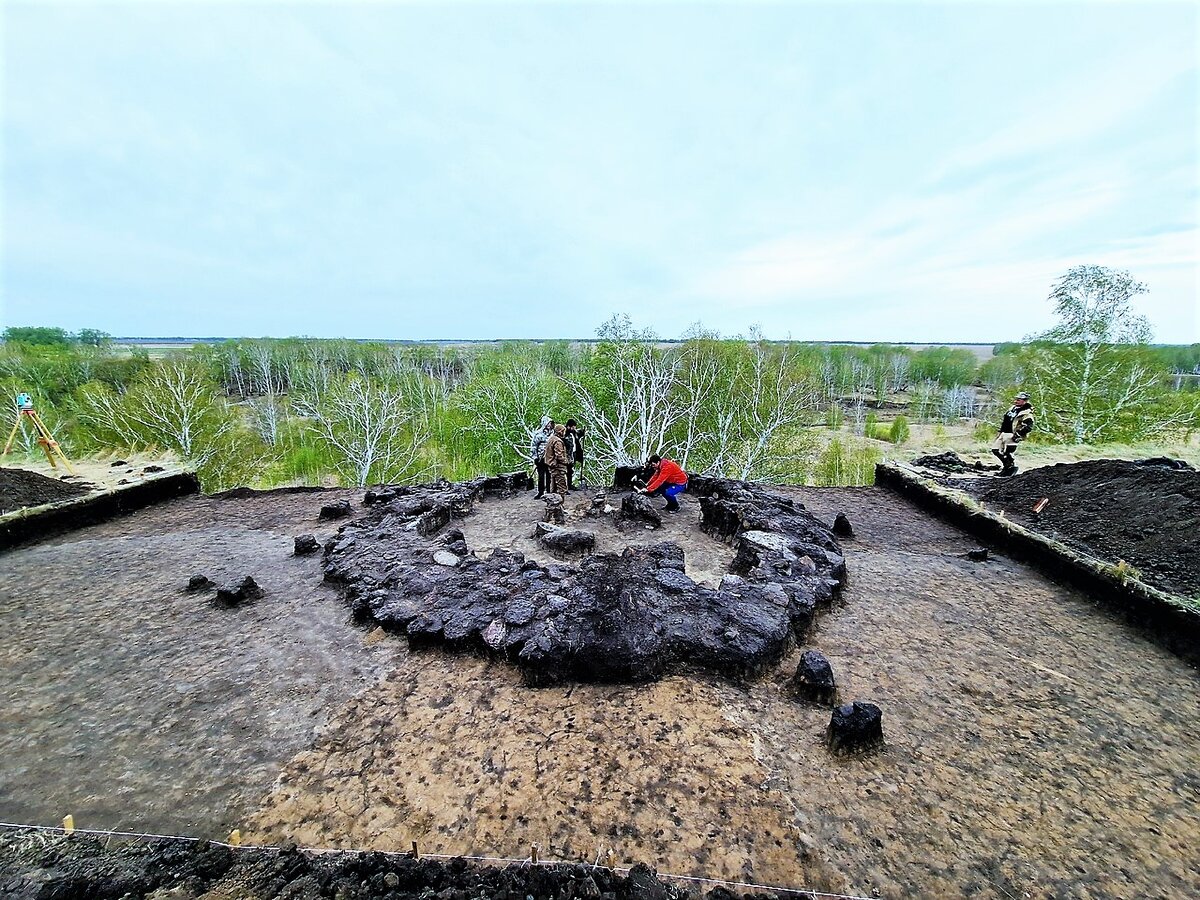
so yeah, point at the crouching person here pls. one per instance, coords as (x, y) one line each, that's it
(668, 480)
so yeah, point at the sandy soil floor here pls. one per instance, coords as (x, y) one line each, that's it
(133, 705)
(1036, 747)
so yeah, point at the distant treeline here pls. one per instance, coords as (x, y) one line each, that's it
(272, 411)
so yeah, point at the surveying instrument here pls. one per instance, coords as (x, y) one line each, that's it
(25, 411)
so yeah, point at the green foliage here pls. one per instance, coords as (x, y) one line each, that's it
(834, 415)
(899, 431)
(946, 366)
(37, 337)
(1093, 376)
(846, 465)
(871, 425)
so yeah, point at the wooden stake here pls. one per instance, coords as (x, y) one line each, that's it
(235, 838)
(416, 852)
(68, 824)
(533, 853)
(1040, 505)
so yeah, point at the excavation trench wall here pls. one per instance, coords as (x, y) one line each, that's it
(1168, 620)
(35, 523)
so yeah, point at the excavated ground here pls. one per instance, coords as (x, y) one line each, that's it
(1033, 746)
(20, 487)
(1146, 513)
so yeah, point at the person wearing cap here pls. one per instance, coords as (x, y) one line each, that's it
(668, 479)
(1015, 427)
(537, 450)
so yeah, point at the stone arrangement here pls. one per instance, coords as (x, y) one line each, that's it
(632, 616)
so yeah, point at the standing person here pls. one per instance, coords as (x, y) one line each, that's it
(537, 450)
(668, 479)
(571, 439)
(580, 432)
(1015, 427)
(556, 461)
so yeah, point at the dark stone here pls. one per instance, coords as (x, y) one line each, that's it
(124, 481)
(151, 469)
(198, 583)
(644, 883)
(306, 544)
(625, 476)
(247, 589)
(842, 526)
(554, 514)
(855, 727)
(1166, 462)
(567, 542)
(339, 510)
(813, 680)
(118, 462)
(637, 509)
(980, 555)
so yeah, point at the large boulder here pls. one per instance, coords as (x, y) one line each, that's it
(637, 509)
(568, 541)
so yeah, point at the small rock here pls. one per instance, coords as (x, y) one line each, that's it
(247, 589)
(564, 542)
(980, 555)
(124, 481)
(198, 583)
(339, 510)
(445, 558)
(118, 462)
(306, 544)
(814, 680)
(150, 469)
(842, 526)
(392, 880)
(855, 727)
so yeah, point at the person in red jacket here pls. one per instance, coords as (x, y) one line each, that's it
(668, 480)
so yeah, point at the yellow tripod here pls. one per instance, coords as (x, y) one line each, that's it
(25, 410)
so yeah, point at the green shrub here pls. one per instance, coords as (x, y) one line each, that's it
(899, 431)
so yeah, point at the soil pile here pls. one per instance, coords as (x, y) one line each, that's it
(1146, 513)
(20, 488)
(633, 616)
(32, 867)
(951, 463)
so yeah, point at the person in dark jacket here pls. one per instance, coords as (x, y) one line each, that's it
(537, 449)
(572, 440)
(668, 479)
(1015, 427)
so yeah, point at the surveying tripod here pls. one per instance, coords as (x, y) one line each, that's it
(25, 410)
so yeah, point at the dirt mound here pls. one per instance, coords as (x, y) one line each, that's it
(1145, 514)
(633, 616)
(34, 867)
(20, 488)
(950, 463)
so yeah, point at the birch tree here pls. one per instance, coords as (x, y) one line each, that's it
(1090, 373)
(370, 427)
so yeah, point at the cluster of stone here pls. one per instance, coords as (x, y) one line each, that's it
(632, 616)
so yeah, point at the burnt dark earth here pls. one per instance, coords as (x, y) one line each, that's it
(634, 616)
(814, 679)
(36, 868)
(855, 728)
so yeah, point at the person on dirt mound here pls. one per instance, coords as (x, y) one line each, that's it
(1015, 427)
(668, 480)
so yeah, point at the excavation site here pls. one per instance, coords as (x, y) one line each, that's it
(473, 692)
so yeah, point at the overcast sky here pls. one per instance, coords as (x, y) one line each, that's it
(891, 172)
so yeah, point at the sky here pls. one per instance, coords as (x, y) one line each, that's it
(874, 172)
